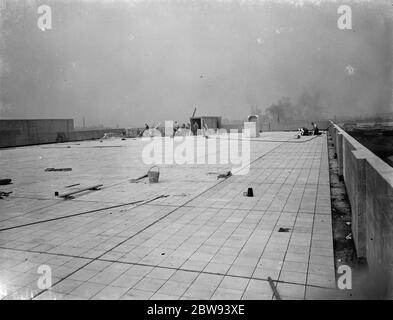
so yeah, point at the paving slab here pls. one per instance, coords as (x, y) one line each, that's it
(203, 240)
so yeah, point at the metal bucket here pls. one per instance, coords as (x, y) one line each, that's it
(153, 175)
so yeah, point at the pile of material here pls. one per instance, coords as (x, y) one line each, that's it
(4, 194)
(4, 182)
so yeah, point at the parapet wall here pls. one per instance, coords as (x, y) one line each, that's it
(34, 131)
(369, 184)
(15, 133)
(292, 125)
(289, 125)
(92, 134)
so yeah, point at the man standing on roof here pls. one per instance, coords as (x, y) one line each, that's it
(315, 129)
(195, 128)
(175, 128)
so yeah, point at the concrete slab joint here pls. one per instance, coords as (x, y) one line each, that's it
(339, 150)
(359, 207)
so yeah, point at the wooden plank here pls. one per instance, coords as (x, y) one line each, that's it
(68, 194)
(276, 294)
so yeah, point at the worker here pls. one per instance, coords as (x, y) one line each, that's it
(206, 130)
(145, 131)
(315, 129)
(175, 128)
(303, 131)
(195, 128)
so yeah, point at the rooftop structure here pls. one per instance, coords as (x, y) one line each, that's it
(212, 122)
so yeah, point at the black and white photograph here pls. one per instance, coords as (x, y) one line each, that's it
(220, 151)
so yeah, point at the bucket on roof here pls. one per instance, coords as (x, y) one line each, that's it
(153, 175)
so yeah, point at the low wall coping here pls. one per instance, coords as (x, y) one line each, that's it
(361, 152)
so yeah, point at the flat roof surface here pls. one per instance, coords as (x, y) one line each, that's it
(205, 240)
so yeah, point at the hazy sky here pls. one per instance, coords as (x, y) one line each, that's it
(131, 62)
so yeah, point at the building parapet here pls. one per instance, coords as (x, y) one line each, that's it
(369, 184)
